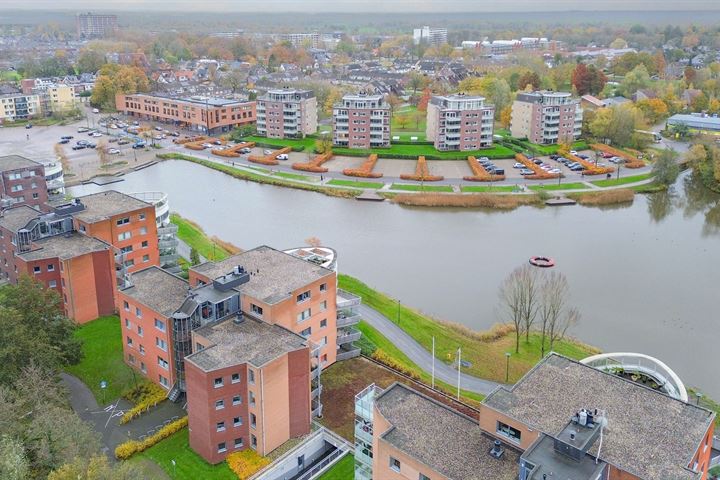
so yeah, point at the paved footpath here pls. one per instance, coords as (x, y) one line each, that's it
(418, 354)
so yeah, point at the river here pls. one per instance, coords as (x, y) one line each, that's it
(645, 277)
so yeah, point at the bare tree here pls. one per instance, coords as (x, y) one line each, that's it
(512, 301)
(530, 283)
(102, 153)
(62, 157)
(553, 297)
(558, 328)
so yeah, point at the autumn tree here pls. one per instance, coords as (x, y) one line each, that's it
(618, 125)
(402, 119)
(96, 467)
(666, 169)
(654, 109)
(690, 75)
(506, 116)
(529, 78)
(117, 79)
(588, 79)
(324, 144)
(394, 101)
(417, 81)
(90, 61)
(638, 78)
(313, 241)
(618, 43)
(424, 100)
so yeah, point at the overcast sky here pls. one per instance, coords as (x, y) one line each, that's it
(272, 6)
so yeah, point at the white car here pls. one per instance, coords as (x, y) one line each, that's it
(96, 134)
(83, 129)
(159, 129)
(113, 151)
(282, 156)
(554, 170)
(113, 126)
(267, 152)
(95, 110)
(518, 165)
(573, 152)
(207, 145)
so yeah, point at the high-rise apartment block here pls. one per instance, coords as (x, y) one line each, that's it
(459, 122)
(19, 106)
(430, 35)
(90, 25)
(287, 113)
(546, 117)
(361, 121)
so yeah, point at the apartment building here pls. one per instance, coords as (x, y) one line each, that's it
(209, 115)
(563, 419)
(22, 182)
(430, 35)
(301, 39)
(361, 121)
(459, 122)
(287, 113)
(19, 106)
(90, 25)
(546, 117)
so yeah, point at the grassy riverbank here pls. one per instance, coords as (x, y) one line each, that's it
(484, 350)
(192, 234)
(254, 177)
(476, 200)
(608, 197)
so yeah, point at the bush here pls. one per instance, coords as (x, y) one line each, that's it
(390, 362)
(315, 165)
(480, 174)
(144, 396)
(607, 197)
(128, 449)
(475, 200)
(422, 173)
(365, 170)
(246, 463)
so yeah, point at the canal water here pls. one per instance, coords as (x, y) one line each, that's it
(646, 277)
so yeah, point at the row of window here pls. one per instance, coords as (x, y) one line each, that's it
(126, 220)
(308, 331)
(19, 187)
(396, 466)
(237, 443)
(18, 175)
(128, 235)
(235, 378)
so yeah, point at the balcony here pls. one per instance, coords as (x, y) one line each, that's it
(170, 229)
(346, 354)
(346, 299)
(317, 412)
(315, 373)
(315, 393)
(168, 258)
(167, 243)
(348, 335)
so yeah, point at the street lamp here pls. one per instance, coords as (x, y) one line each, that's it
(398, 313)
(507, 367)
(698, 396)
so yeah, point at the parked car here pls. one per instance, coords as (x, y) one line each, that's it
(95, 110)
(112, 140)
(139, 145)
(580, 155)
(175, 134)
(499, 171)
(267, 152)
(82, 129)
(573, 152)
(159, 137)
(64, 141)
(207, 145)
(96, 134)
(554, 170)
(113, 151)
(136, 123)
(245, 150)
(577, 168)
(29, 125)
(123, 141)
(518, 165)
(78, 147)
(159, 129)
(537, 161)
(606, 155)
(554, 157)
(526, 171)
(91, 145)
(82, 142)
(67, 137)
(282, 156)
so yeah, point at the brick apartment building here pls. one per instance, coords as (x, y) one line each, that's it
(459, 122)
(84, 249)
(287, 113)
(563, 419)
(361, 121)
(22, 181)
(210, 115)
(546, 117)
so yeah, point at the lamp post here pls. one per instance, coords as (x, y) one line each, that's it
(397, 319)
(507, 367)
(698, 396)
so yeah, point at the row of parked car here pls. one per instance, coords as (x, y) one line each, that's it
(544, 166)
(490, 167)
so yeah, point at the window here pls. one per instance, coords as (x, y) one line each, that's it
(141, 216)
(142, 350)
(306, 333)
(219, 404)
(160, 325)
(323, 323)
(220, 427)
(221, 447)
(394, 464)
(199, 346)
(238, 442)
(323, 341)
(16, 188)
(237, 400)
(161, 344)
(235, 378)
(323, 359)
(163, 381)
(252, 398)
(131, 358)
(143, 368)
(82, 228)
(129, 342)
(218, 382)
(127, 249)
(138, 312)
(126, 306)
(123, 221)
(323, 305)
(146, 258)
(144, 244)
(253, 441)
(237, 421)
(423, 477)
(52, 284)
(163, 363)
(124, 236)
(304, 315)
(127, 323)
(508, 431)
(50, 267)
(323, 287)
(37, 270)
(129, 263)
(251, 376)
(143, 230)
(256, 310)
(140, 331)
(253, 420)
(303, 296)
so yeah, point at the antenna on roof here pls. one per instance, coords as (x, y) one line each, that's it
(601, 418)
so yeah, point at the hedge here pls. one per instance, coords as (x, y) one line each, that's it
(365, 170)
(480, 174)
(246, 463)
(131, 447)
(422, 173)
(144, 396)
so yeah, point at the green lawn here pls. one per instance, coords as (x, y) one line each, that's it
(307, 143)
(295, 176)
(342, 470)
(421, 188)
(484, 352)
(103, 359)
(562, 186)
(193, 235)
(188, 464)
(487, 188)
(413, 151)
(416, 121)
(355, 184)
(623, 180)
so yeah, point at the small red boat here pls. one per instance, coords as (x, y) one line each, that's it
(543, 262)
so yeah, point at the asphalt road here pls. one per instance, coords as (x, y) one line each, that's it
(422, 357)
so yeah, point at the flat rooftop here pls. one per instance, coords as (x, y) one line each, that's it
(104, 205)
(274, 275)
(548, 462)
(16, 218)
(210, 101)
(16, 162)
(449, 442)
(64, 247)
(696, 121)
(157, 289)
(649, 434)
(250, 341)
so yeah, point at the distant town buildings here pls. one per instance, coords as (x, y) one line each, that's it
(91, 25)
(430, 35)
(459, 122)
(546, 117)
(287, 113)
(361, 121)
(203, 114)
(301, 39)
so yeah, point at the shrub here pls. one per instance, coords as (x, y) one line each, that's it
(246, 463)
(147, 395)
(269, 159)
(475, 200)
(606, 197)
(131, 447)
(479, 173)
(183, 141)
(315, 165)
(365, 170)
(422, 173)
(390, 362)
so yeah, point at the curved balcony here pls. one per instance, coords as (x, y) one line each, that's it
(159, 200)
(645, 365)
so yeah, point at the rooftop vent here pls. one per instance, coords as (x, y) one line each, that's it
(497, 451)
(239, 318)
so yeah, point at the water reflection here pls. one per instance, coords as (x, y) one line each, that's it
(691, 197)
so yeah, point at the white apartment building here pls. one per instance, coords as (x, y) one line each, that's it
(287, 113)
(546, 117)
(430, 35)
(361, 121)
(459, 122)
